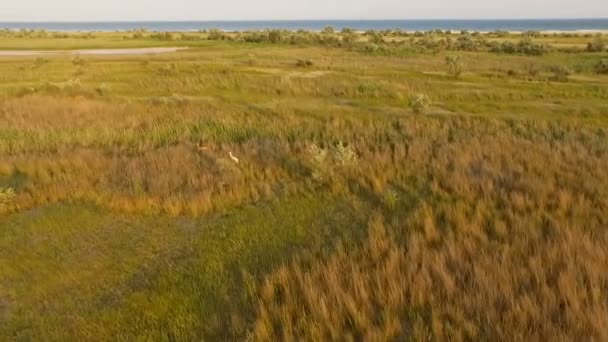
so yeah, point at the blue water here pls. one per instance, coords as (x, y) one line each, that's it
(410, 25)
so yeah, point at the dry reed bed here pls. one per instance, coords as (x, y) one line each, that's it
(465, 283)
(183, 167)
(499, 234)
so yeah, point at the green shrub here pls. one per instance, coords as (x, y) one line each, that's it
(532, 70)
(375, 37)
(166, 36)
(79, 61)
(598, 45)
(371, 48)
(528, 47)
(327, 163)
(320, 165)
(466, 43)
(345, 155)
(602, 67)
(303, 63)
(275, 36)
(328, 30)
(102, 89)
(349, 36)
(455, 65)
(525, 46)
(560, 73)
(215, 34)
(504, 47)
(7, 199)
(40, 61)
(531, 33)
(59, 35)
(419, 103)
(254, 37)
(390, 199)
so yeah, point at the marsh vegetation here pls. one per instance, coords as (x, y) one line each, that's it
(389, 185)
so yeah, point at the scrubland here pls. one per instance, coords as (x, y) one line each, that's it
(389, 186)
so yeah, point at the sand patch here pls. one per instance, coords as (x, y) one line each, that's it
(136, 51)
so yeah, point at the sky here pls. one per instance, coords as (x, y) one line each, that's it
(116, 10)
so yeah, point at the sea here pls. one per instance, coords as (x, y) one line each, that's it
(316, 25)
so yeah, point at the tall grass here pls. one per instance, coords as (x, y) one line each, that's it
(458, 283)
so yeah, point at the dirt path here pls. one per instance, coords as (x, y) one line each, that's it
(135, 51)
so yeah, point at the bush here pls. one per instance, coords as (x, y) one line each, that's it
(215, 34)
(7, 198)
(79, 61)
(328, 30)
(598, 45)
(455, 66)
(102, 89)
(429, 42)
(532, 70)
(40, 61)
(375, 37)
(303, 63)
(504, 47)
(321, 168)
(371, 48)
(390, 199)
(419, 103)
(345, 155)
(254, 37)
(168, 69)
(534, 34)
(349, 36)
(560, 73)
(525, 46)
(466, 43)
(275, 36)
(326, 166)
(528, 47)
(168, 36)
(602, 67)
(501, 33)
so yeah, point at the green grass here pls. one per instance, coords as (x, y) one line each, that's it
(105, 276)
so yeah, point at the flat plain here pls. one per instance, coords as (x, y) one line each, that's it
(304, 186)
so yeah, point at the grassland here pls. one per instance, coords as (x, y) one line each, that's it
(348, 217)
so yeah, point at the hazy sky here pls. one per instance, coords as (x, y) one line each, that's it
(63, 10)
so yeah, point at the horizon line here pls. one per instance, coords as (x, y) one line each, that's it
(292, 20)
